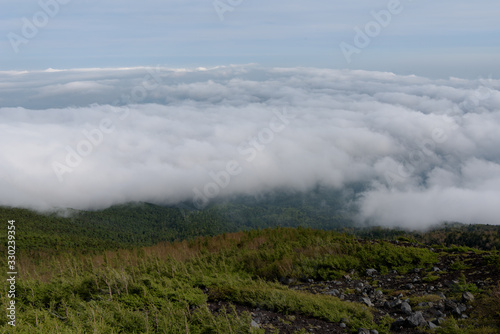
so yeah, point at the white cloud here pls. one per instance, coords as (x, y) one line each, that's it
(427, 149)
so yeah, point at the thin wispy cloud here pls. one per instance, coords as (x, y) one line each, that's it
(433, 39)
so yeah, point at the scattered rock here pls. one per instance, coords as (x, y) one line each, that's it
(432, 325)
(456, 312)
(400, 323)
(423, 305)
(286, 280)
(334, 292)
(406, 308)
(378, 293)
(394, 303)
(450, 305)
(437, 313)
(254, 324)
(441, 295)
(363, 331)
(366, 301)
(397, 289)
(415, 320)
(467, 297)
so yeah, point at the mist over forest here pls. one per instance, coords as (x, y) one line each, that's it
(408, 151)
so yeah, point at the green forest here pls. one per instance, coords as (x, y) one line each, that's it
(145, 224)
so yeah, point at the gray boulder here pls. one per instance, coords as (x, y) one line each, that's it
(406, 308)
(432, 325)
(467, 297)
(334, 292)
(462, 308)
(416, 320)
(366, 301)
(394, 303)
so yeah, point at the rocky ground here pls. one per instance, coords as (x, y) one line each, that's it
(418, 301)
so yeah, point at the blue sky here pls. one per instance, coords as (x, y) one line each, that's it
(430, 38)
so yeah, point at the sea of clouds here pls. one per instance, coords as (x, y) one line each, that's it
(425, 150)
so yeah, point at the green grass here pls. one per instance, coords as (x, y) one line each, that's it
(169, 287)
(430, 278)
(415, 300)
(459, 265)
(275, 297)
(464, 286)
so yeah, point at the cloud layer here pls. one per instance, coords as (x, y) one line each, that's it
(426, 150)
